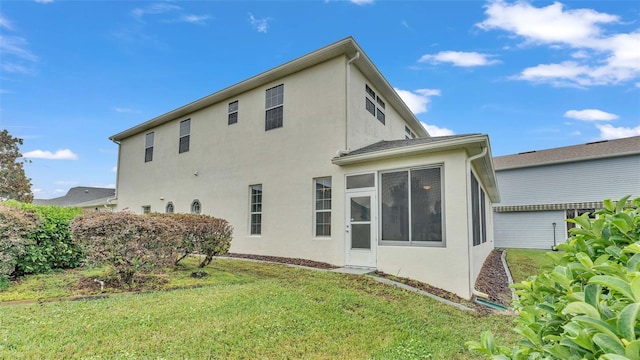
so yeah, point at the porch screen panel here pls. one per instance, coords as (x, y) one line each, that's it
(395, 206)
(426, 204)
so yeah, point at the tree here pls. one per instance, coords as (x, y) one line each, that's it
(14, 184)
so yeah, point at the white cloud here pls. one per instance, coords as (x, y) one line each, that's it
(194, 19)
(5, 23)
(126, 110)
(608, 131)
(35, 191)
(606, 58)
(63, 154)
(434, 130)
(259, 24)
(459, 58)
(154, 9)
(417, 100)
(362, 2)
(590, 115)
(16, 46)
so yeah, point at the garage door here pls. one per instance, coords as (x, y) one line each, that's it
(528, 230)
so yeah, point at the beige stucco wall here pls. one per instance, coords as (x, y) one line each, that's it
(441, 266)
(364, 128)
(230, 158)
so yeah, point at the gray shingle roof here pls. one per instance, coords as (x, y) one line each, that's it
(78, 195)
(593, 150)
(392, 144)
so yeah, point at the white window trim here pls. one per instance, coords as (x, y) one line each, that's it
(316, 211)
(410, 243)
(251, 213)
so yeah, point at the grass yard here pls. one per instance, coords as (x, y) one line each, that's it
(526, 262)
(243, 310)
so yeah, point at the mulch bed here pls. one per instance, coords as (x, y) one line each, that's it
(284, 260)
(493, 279)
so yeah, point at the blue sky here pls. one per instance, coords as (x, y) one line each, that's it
(532, 75)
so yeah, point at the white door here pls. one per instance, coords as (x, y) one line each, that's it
(361, 239)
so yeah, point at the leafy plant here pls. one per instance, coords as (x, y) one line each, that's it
(127, 242)
(15, 224)
(201, 234)
(52, 246)
(588, 305)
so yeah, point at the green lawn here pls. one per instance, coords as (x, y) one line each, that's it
(526, 262)
(243, 310)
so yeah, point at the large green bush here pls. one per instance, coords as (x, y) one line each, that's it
(15, 225)
(588, 306)
(52, 246)
(129, 243)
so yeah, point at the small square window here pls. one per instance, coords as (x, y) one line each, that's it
(380, 102)
(370, 106)
(146, 209)
(370, 91)
(380, 116)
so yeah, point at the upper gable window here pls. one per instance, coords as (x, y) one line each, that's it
(233, 112)
(370, 101)
(148, 147)
(185, 133)
(274, 101)
(408, 133)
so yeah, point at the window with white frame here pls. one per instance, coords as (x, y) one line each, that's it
(146, 209)
(196, 207)
(233, 112)
(255, 211)
(274, 111)
(169, 208)
(370, 101)
(408, 133)
(323, 206)
(478, 212)
(185, 133)
(148, 147)
(411, 206)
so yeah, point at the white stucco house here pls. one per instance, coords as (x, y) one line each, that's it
(539, 190)
(320, 159)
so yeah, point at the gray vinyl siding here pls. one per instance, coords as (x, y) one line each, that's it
(529, 230)
(584, 181)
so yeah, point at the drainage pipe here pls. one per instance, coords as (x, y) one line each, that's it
(346, 103)
(470, 231)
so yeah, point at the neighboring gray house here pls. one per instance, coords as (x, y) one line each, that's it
(84, 197)
(539, 190)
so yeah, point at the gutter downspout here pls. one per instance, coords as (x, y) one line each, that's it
(115, 196)
(346, 102)
(469, 257)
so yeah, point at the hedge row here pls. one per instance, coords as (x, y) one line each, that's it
(140, 243)
(35, 239)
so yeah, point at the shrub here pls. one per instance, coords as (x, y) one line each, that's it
(52, 246)
(127, 242)
(201, 234)
(15, 224)
(588, 306)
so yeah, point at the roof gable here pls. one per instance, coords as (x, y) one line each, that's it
(345, 47)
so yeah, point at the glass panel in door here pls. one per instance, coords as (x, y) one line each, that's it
(360, 222)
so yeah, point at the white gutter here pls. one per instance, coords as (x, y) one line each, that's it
(470, 228)
(346, 98)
